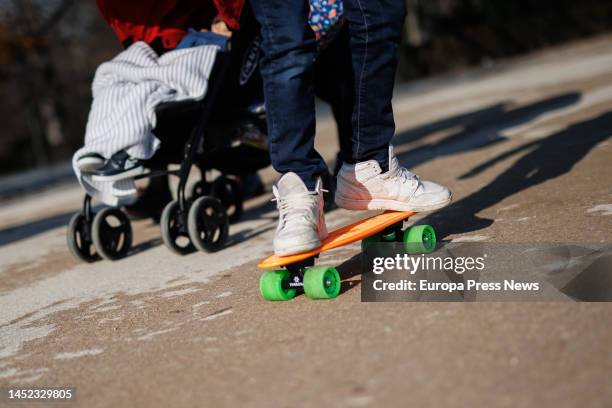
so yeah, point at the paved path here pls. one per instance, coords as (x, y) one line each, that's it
(526, 149)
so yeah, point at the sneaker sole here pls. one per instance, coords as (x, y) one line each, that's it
(136, 171)
(298, 249)
(378, 204)
(88, 165)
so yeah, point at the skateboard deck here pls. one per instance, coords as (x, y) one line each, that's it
(342, 236)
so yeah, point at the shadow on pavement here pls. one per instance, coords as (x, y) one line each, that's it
(594, 284)
(481, 128)
(349, 268)
(145, 246)
(546, 159)
(32, 228)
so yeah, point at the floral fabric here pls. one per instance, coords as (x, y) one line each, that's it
(325, 18)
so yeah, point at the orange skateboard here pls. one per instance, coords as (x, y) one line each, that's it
(319, 282)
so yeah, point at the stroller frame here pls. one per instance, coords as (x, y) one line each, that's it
(186, 224)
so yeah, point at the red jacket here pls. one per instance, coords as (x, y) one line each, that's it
(165, 20)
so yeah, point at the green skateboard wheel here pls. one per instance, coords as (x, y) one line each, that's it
(321, 282)
(420, 239)
(271, 285)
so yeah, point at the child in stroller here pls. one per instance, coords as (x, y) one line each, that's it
(190, 133)
(237, 149)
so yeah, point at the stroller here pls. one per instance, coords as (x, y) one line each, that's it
(201, 220)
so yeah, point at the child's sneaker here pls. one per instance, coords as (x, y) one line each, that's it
(90, 162)
(301, 222)
(363, 186)
(119, 167)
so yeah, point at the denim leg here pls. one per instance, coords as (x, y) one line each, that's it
(375, 28)
(287, 68)
(334, 84)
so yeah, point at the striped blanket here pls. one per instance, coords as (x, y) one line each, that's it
(126, 91)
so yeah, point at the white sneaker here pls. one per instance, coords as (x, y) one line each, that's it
(301, 221)
(363, 186)
(90, 162)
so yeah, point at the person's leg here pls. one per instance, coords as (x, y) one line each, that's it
(287, 68)
(373, 179)
(334, 84)
(375, 30)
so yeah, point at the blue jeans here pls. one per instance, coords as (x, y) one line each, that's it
(287, 68)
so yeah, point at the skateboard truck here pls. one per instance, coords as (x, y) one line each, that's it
(296, 272)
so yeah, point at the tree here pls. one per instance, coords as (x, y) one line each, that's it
(24, 52)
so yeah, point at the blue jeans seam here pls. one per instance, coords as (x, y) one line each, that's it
(361, 86)
(268, 87)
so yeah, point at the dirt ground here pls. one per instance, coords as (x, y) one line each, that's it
(524, 146)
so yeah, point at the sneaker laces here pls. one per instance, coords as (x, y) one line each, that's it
(402, 173)
(295, 206)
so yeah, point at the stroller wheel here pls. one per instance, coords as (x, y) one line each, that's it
(79, 239)
(229, 192)
(174, 229)
(112, 233)
(208, 224)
